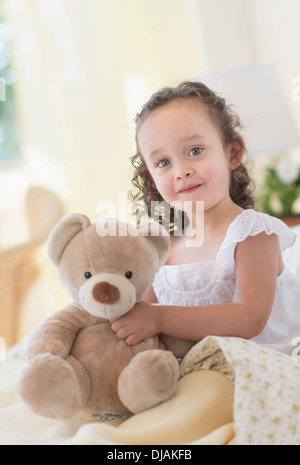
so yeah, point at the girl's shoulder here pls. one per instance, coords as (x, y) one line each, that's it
(251, 223)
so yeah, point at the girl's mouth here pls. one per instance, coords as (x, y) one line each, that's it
(189, 189)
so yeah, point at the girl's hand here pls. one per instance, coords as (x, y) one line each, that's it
(140, 322)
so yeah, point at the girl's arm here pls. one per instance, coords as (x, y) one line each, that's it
(258, 263)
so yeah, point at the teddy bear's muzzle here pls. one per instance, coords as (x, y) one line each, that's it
(106, 293)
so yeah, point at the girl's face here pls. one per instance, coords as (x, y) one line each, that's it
(185, 154)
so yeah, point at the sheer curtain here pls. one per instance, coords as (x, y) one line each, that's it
(83, 70)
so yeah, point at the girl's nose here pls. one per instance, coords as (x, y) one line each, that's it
(183, 172)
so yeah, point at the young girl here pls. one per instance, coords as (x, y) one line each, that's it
(234, 282)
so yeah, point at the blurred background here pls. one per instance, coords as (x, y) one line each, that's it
(74, 73)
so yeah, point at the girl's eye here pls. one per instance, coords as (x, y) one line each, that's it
(195, 151)
(162, 163)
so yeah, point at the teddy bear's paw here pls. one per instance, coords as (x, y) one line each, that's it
(50, 386)
(149, 379)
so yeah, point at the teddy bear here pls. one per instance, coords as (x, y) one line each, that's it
(76, 362)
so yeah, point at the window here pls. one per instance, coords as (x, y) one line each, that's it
(10, 154)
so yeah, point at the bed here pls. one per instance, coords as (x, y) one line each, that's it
(231, 392)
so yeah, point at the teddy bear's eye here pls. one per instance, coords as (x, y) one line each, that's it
(88, 275)
(128, 274)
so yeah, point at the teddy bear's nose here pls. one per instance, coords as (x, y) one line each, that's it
(106, 293)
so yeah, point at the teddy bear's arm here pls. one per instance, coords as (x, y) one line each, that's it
(179, 347)
(57, 333)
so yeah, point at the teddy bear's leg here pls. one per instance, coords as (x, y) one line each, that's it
(149, 379)
(54, 387)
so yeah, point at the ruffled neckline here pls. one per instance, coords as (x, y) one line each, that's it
(195, 264)
(229, 238)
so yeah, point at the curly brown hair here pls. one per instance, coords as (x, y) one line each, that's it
(229, 126)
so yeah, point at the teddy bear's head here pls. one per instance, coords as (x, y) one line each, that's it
(107, 266)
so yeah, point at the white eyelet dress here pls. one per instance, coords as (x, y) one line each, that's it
(213, 282)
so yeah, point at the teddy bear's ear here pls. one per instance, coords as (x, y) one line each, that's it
(159, 239)
(60, 236)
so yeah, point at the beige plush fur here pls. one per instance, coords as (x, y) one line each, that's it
(76, 362)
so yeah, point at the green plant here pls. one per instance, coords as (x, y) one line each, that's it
(281, 187)
(9, 129)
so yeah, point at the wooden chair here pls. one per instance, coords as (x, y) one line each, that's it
(17, 268)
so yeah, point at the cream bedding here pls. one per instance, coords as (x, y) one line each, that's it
(200, 412)
(232, 391)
